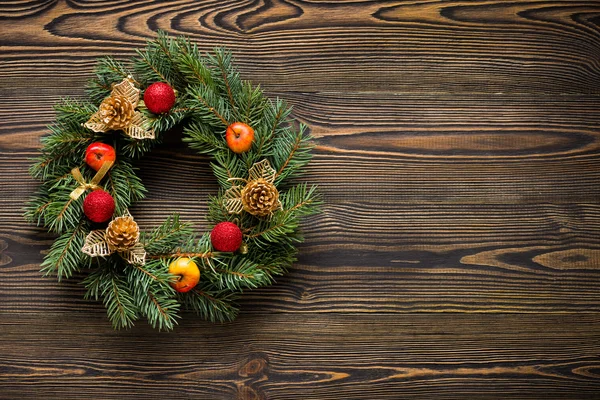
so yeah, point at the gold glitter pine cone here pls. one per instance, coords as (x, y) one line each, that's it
(122, 233)
(116, 112)
(260, 197)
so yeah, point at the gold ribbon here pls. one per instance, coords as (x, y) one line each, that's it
(93, 184)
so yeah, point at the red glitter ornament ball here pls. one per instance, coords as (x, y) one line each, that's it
(99, 206)
(226, 236)
(159, 98)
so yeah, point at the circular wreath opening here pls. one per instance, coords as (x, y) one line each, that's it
(89, 181)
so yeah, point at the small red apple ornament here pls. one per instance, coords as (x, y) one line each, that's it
(159, 98)
(226, 236)
(239, 137)
(97, 153)
(99, 206)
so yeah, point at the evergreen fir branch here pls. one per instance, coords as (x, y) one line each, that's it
(170, 48)
(177, 253)
(152, 272)
(93, 282)
(194, 244)
(65, 256)
(54, 167)
(158, 62)
(35, 209)
(160, 309)
(203, 139)
(166, 238)
(135, 148)
(298, 201)
(291, 152)
(275, 115)
(252, 109)
(150, 68)
(251, 104)
(237, 273)
(167, 121)
(302, 200)
(192, 65)
(124, 186)
(44, 167)
(47, 204)
(118, 299)
(65, 146)
(63, 213)
(217, 211)
(282, 227)
(209, 108)
(74, 112)
(277, 260)
(64, 135)
(199, 250)
(108, 71)
(210, 303)
(153, 295)
(227, 166)
(226, 76)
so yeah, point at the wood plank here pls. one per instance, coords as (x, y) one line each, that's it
(471, 149)
(421, 46)
(435, 125)
(355, 178)
(370, 257)
(285, 356)
(486, 228)
(411, 149)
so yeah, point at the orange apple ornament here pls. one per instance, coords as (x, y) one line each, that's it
(97, 153)
(239, 137)
(188, 274)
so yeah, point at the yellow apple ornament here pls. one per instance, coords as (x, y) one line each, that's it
(188, 274)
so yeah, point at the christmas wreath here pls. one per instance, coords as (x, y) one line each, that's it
(89, 181)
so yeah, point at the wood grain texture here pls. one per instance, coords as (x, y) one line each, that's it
(378, 356)
(458, 254)
(481, 46)
(541, 258)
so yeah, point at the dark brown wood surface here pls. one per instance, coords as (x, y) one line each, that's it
(458, 255)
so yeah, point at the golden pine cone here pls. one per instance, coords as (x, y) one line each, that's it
(122, 233)
(260, 197)
(116, 112)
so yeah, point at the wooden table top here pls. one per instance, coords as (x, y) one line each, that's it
(458, 254)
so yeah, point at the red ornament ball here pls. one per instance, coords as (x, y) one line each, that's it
(226, 236)
(99, 206)
(159, 98)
